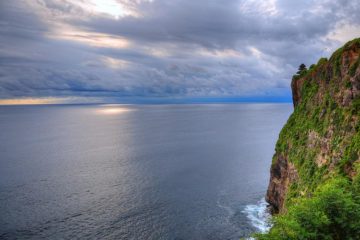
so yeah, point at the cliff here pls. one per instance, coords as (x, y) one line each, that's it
(317, 156)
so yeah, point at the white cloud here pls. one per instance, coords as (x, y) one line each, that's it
(114, 63)
(343, 32)
(66, 32)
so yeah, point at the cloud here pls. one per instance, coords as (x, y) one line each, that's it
(159, 48)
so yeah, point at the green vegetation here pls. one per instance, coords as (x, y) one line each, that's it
(302, 69)
(332, 212)
(353, 67)
(322, 140)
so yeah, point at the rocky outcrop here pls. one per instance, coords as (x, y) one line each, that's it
(321, 138)
(296, 85)
(283, 173)
(342, 70)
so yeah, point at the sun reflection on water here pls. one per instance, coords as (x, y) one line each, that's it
(112, 110)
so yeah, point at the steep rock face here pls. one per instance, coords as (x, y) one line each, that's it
(321, 137)
(282, 174)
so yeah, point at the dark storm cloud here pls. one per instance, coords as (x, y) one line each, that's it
(161, 48)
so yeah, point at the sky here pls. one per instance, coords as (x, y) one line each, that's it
(67, 51)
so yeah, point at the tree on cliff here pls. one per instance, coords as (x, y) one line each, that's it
(302, 69)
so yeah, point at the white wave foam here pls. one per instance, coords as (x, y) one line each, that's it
(259, 216)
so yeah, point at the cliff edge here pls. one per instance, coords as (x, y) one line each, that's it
(318, 153)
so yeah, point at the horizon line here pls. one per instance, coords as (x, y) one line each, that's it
(90, 100)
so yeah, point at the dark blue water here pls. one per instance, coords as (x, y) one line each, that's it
(134, 171)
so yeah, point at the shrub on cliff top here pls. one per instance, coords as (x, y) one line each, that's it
(302, 70)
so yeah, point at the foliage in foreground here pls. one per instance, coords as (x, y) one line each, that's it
(332, 213)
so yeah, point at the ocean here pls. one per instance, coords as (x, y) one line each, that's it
(192, 171)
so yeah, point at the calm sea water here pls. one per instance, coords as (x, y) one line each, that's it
(135, 171)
